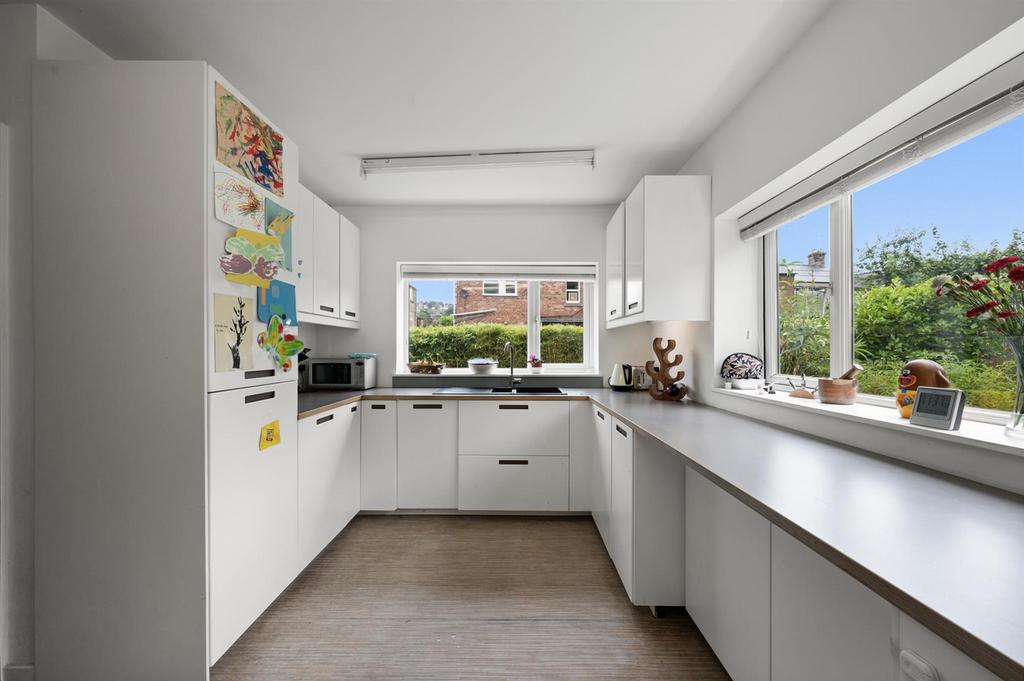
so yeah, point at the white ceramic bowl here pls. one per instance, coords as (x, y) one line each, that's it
(745, 383)
(482, 366)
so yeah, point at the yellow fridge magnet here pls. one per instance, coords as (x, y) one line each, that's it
(252, 258)
(270, 435)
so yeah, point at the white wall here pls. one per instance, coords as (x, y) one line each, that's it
(472, 233)
(862, 68)
(27, 32)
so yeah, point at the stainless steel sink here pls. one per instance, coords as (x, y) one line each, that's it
(521, 390)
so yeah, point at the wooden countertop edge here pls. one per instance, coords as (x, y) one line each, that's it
(978, 650)
(430, 397)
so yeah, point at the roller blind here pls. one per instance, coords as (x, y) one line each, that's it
(505, 270)
(960, 116)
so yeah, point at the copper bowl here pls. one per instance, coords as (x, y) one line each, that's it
(837, 390)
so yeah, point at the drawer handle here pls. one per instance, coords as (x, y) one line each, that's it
(325, 419)
(513, 462)
(632, 305)
(259, 397)
(622, 432)
(378, 406)
(349, 313)
(354, 408)
(326, 309)
(612, 313)
(260, 373)
(427, 406)
(513, 406)
(599, 415)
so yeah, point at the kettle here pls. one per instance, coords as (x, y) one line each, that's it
(622, 377)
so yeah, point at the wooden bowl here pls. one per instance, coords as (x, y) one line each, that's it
(837, 390)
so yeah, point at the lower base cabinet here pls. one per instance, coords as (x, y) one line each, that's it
(329, 477)
(379, 455)
(919, 644)
(514, 483)
(428, 459)
(826, 626)
(728, 578)
(601, 471)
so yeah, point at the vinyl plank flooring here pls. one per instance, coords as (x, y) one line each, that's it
(465, 597)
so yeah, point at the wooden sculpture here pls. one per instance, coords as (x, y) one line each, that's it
(663, 385)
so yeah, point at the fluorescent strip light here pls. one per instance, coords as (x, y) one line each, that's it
(477, 159)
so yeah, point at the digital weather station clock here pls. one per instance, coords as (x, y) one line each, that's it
(941, 408)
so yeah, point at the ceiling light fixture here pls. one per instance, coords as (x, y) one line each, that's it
(476, 159)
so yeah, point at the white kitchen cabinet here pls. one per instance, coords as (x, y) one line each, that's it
(252, 507)
(514, 427)
(645, 524)
(379, 469)
(514, 483)
(728, 584)
(329, 477)
(633, 253)
(665, 249)
(302, 249)
(326, 265)
(428, 454)
(348, 286)
(922, 644)
(825, 625)
(613, 267)
(581, 454)
(601, 472)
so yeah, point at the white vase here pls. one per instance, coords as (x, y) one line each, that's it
(536, 370)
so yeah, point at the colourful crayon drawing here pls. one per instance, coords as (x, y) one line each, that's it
(237, 202)
(251, 258)
(281, 346)
(277, 299)
(246, 143)
(278, 220)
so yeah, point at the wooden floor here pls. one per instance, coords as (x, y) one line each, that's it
(465, 597)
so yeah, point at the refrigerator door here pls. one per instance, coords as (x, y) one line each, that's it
(252, 506)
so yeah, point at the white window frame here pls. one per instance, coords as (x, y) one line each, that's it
(503, 287)
(578, 291)
(533, 321)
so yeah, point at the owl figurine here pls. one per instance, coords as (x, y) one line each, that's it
(918, 373)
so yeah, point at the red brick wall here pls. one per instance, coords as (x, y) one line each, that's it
(469, 297)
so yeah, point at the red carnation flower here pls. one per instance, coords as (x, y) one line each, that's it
(1004, 314)
(1000, 263)
(1016, 273)
(975, 311)
(979, 284)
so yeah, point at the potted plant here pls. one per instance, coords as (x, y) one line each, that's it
(536, 364)
(996, 298)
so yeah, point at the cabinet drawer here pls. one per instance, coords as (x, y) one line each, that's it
(514, 427)
(514, 483)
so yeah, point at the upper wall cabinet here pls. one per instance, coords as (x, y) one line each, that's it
(348, 289)
(658, 257)
(327, 265)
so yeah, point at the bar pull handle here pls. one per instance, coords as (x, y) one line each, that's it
(612, 313)
(427, 406)
(350, 313)
(513, 462)
(325, 419)
(632, 305)
(259, 373)
(259, 397)
(326, 308)
(599, 415)
(378, 406)
(622, 431)
(354, 408)
(513, 406)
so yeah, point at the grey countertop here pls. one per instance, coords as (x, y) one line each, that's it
(947, 552)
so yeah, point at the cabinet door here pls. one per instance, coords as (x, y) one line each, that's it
(302, 250)
(621, 520)
(379, 455)
(350, 489)
(601, 489)
(252, 507)
(514, 483)
(326, 254)
(427, 455)
(826, 626)
(349, 283)
(328, 485)
(615, 241)
(949, 663)
(581, 454)
(728, 585)
(658, 508)
(514, 427)
(634, 250)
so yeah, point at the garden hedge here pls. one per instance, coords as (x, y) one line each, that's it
(455, 345)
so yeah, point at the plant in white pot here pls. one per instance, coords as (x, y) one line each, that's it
(536, 364)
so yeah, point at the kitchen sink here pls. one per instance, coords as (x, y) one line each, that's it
(521, 390)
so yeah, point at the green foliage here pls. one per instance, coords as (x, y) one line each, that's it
(454, 346)
(987, 387)
(803, 333)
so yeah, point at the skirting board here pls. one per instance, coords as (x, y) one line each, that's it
(19, 672)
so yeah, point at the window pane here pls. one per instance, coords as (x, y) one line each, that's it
(491, 287)
(561, 324)
(949, 214)
(804, 295)
(456, 322)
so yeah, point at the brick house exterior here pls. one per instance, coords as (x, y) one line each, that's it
(560, 302)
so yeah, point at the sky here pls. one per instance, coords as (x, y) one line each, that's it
(434, 289)
(974, 190)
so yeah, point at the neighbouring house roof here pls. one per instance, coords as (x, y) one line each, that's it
(801, 273)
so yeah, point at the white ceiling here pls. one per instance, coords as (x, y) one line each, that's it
(642, 82)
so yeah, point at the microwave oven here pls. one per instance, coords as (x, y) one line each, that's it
(341, 373)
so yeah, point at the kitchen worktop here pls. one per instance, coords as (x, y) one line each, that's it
(317, 402)
(947, 552)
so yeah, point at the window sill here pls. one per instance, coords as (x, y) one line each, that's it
(501, 373)
(972, 433)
